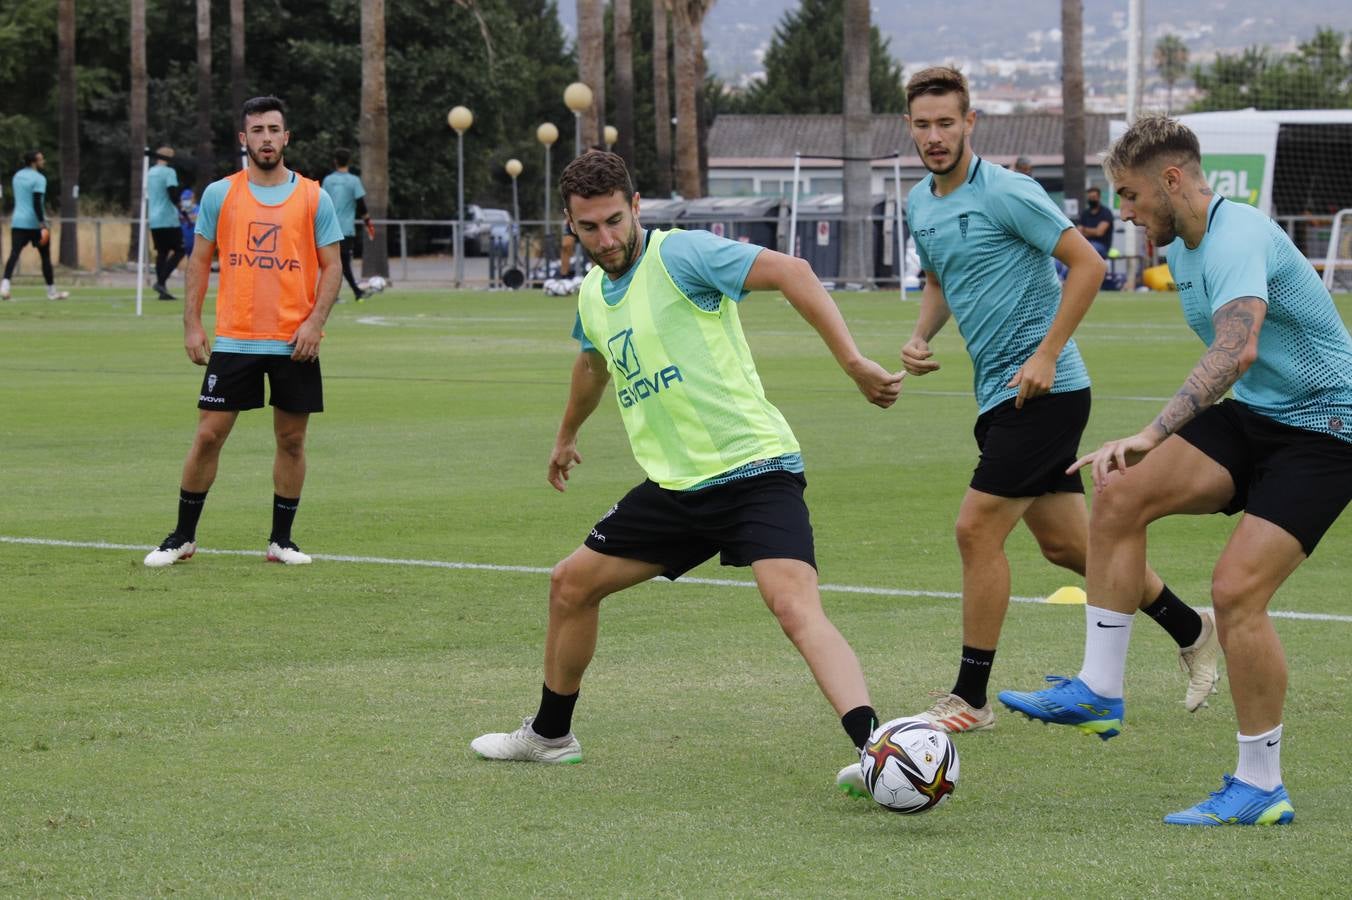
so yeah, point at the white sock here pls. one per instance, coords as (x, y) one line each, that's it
(1106, 635)
(1260, 759)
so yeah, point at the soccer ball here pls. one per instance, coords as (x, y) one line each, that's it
(909, 766)
(375, 284)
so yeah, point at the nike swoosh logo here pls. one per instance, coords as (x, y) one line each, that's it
(1101, 625)
(1274, 743)
(259, 239)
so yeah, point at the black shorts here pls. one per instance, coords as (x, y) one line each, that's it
(1025, 452)
(762, 517)
(22, 237)
(234, 381)
(1296, 479)
(167, 240)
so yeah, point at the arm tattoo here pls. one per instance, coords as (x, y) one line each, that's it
(1237, 324)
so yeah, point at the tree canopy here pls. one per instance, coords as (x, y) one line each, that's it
(1318, 75)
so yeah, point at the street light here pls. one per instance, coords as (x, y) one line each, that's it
(577, 97)
(460, 119)
(547, 134)
(612, 136)
(513, 168)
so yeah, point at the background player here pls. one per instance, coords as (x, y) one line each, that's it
(29, 225)
(348, 195)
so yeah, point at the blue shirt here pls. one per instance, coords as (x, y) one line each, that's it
(345, 189)
(27, 182)
(163, 213)
(1303, 374)
(209, 211)
(990, 244)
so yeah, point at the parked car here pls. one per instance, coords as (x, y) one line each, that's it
(480, 222)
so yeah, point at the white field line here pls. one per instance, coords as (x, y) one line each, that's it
(544, 570)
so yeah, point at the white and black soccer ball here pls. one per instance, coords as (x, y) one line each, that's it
(375, 284)
(909, 765)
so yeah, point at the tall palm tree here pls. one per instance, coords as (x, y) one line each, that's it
(856, 232)
(70, 134)
(591, 65)
(375, 134)
(661, 99)
(136, 111)
(624, 79)
(237, 83)
(687, 21)
(1171, 58)
(1072, 99)
(205, 170)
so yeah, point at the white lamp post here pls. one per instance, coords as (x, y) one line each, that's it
(547, 134)
(513, 168)
(460, 119)
(577, 97)
(612, 136)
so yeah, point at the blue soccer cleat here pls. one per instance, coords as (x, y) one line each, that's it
(1069, 702)
(1238, 803)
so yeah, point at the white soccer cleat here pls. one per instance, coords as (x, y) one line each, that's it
(172, 549)
(1201, 663)
(54, 294)
(525, 745)
(287, 553)
(850, 781)
(954, 715)
(4, 289)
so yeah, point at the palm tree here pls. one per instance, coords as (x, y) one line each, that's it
(136, 112)
(1171, 58)
(856, 234)
(375, 134)
(687, 21)
(661, 99)
(70, 134)
(1072, 99)
(204, 166)
(591, 64)
(624, 80)
(237, 84)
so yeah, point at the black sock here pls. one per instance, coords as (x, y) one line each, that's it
(189, 511)
(974, 673)
(555, 716)
(1176, 617)
(283, 514)
(859, 724)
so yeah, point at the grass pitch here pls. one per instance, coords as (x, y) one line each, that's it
(227, 727)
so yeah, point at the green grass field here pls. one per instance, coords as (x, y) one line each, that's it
(228, 727)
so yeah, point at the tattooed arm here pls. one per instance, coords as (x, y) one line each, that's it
(1232, 351)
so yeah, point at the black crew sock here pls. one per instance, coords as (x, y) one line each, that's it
(189, 511)
(1183, 623)
(554, 719)
(974, 673)
(283, 514)
(859, 724)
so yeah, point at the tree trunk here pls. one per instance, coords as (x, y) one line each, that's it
(704, 116)
(1072, 99)
(375, 136)
(856, 248)
(205, 170)
(238, 87)
(591, 64)
(661, 99)
(70, 135)
(624, 82)
(136, 110)
(686, 19)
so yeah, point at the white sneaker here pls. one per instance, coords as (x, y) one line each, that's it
(955, 715)
(171, 550)
(288, 553)
(527, 746)
(1201, 663)
(4, 289)
(850, 781)
(54, 294)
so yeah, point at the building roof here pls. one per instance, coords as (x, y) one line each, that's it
(751, 141)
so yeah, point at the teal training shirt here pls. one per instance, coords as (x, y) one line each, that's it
(326, 232)
(345, 189)
(1303, 374)
(27, 182)
(163, 214)
(990, 243)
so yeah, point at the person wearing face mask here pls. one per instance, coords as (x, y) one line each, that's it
(1096, 222)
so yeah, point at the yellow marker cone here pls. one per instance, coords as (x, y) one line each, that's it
(1067, 596)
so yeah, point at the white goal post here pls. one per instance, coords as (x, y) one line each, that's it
(1338, 263)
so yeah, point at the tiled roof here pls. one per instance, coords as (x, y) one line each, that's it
(749, 140)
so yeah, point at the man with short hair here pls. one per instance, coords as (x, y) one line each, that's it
(29, 225)
(1096, 222)
(1280, 450)
(658, 313)
(164, 219)
(986, 238)
(278, 238)
(348, 195)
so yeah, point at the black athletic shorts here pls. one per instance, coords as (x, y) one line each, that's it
(22, 237)
(234, 381)
(1296, 479)
(166, 240)
(1025, 452)
(761, 517)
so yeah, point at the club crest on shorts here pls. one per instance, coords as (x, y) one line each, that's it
(211, 384)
